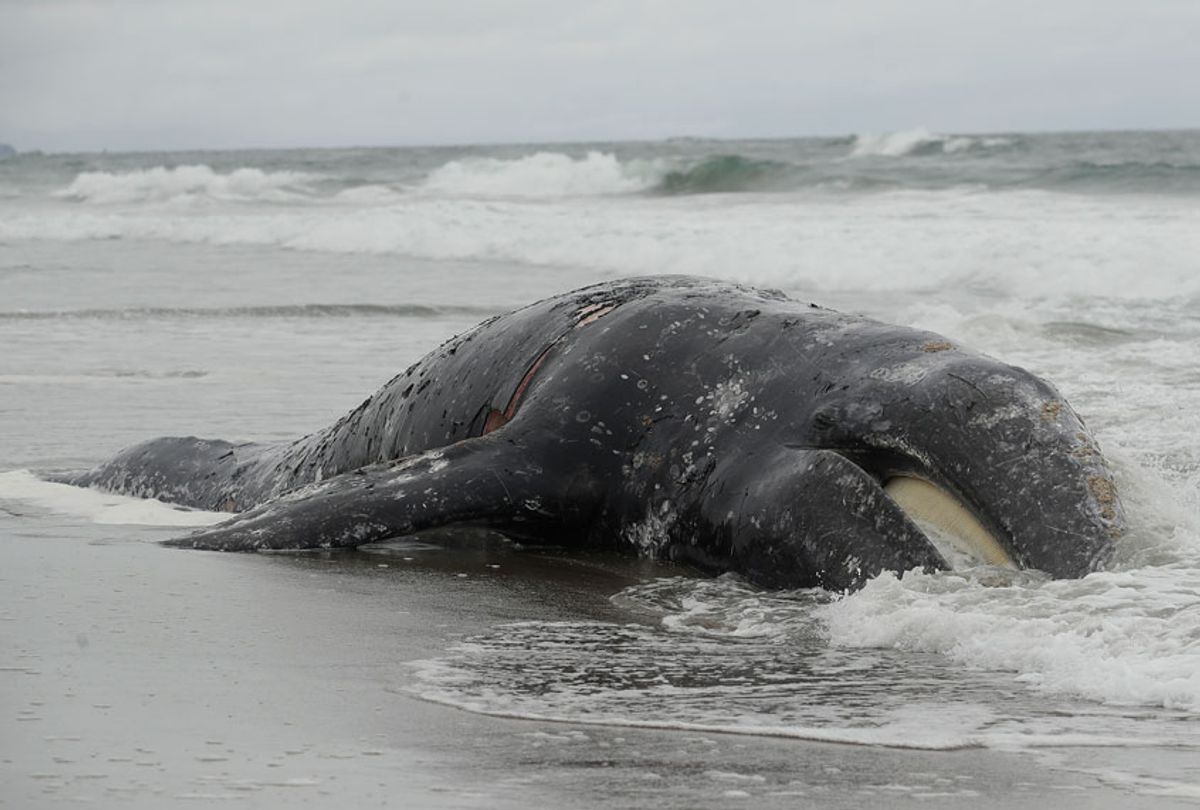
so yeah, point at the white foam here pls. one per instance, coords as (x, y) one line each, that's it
(472, 683)
(1024, 244)
(916, 735)
(160, 184)
(722, 607)
(99, 507)
(775, 684)
(369, 195)
(1124, 638)
(544, 174)
(908, 141)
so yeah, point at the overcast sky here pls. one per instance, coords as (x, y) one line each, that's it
(142, 74)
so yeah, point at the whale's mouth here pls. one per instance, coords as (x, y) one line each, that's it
(952, 529)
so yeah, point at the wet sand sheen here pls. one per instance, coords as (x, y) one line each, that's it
(139, 675)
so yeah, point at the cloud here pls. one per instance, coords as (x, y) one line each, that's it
(128, 74)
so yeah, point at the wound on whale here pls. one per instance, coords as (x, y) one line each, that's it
(730, 428)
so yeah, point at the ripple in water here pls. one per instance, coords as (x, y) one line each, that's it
(721, 656)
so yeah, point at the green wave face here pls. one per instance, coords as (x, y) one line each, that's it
(727, 173)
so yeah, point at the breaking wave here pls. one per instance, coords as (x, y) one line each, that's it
(544, 174)
(921, 142)
(162, 184)
(904, 240)
(1123, 638)
(725, 173)
(548, 175)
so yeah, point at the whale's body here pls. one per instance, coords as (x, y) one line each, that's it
(731, 428)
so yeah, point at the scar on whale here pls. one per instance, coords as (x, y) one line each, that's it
(497, 419)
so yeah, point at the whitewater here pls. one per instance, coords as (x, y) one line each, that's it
(260, 294)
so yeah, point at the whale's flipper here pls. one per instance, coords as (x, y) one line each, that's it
(774, 532)
(483, 481)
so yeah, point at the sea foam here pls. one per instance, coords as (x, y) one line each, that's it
(919, 141)
(1124, 638)
(1025, 243)
(902, 670)
(543, 174)
(160, 184)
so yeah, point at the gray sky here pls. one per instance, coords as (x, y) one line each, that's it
(141, 74)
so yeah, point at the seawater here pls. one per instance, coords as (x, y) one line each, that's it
(260, 294)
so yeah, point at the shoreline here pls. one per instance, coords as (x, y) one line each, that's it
(141, 674)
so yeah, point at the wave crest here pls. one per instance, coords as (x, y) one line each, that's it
(543, 174)
(920, 141)
(162, 184)
(726, 173)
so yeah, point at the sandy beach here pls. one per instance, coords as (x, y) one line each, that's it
(136, 676)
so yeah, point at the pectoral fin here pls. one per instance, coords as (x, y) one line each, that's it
(484, 481)
(812, 517)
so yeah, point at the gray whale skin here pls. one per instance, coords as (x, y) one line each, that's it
(729, 428)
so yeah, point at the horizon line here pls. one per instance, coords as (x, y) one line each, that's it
(586, 142)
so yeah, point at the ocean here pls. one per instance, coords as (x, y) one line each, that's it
(260, 294)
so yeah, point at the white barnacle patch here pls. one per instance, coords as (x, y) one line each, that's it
(437, 462)
(853, 566)
(989, 419)
(849, 482)
(649, 536)
(367, 530)
(865, 411)
(908, 373)
(400, 479)
(644, 459)
(728, 398)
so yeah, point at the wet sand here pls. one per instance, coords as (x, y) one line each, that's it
(138, 676)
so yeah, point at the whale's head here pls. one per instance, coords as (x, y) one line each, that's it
(987, 460)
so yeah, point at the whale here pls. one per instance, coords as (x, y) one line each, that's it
(728, 428)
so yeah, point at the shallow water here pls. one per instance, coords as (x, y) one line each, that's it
(262, 295)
